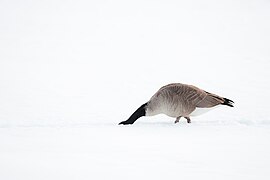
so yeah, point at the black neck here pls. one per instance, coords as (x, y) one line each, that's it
(136, 115)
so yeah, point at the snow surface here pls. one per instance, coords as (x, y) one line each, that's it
(70, 71)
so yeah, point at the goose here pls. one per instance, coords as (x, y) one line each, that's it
(178, 100)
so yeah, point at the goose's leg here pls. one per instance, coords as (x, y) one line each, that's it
(177, 119)
(188, 119)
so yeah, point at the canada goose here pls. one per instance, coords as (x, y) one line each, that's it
(178, 100)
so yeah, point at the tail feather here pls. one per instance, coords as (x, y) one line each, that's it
(228, 102)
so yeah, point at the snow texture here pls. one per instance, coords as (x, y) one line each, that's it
(70, 71)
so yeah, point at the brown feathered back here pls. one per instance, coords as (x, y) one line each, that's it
(181, 100)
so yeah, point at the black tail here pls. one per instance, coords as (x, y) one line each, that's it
(136, 115)
(228, 102)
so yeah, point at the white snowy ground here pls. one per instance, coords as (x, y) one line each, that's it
(145, 151)
(70, 71)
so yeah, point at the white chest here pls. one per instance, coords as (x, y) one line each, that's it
(199, 111)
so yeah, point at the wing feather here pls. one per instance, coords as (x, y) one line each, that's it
(210, 100)
(192, 97)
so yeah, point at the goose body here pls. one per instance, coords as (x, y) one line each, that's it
(179, 100)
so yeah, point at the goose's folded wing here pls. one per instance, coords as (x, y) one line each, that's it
(210, 100)
(193, 95)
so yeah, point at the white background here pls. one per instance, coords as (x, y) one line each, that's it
(70, 71)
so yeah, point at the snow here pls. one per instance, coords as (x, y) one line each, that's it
(158, 151)
(70, 71)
